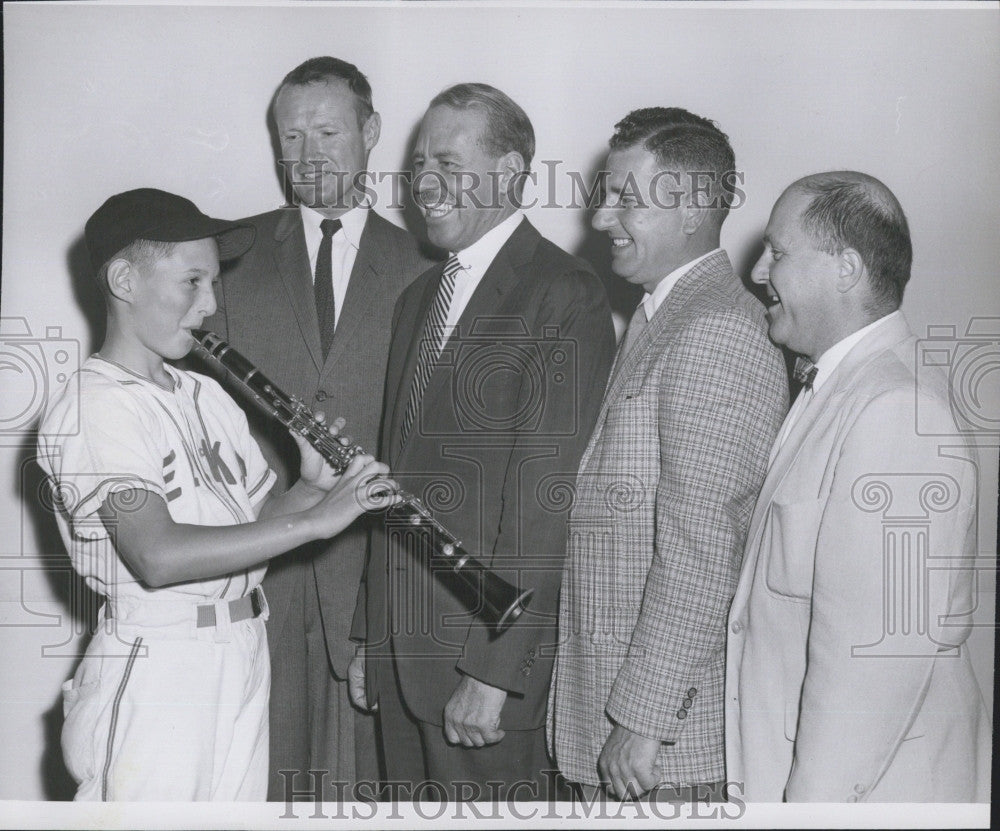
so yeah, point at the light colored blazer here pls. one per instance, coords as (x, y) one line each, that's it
(663, 500)
(845, 677)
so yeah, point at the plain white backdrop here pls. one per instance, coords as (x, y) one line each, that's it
(103, 98)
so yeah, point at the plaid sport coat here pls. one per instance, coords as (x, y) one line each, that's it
(664, 494)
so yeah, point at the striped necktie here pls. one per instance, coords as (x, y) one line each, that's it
(430, 344)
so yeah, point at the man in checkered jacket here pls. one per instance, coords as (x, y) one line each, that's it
(667, 483)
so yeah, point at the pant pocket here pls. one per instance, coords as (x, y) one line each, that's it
(81, 708)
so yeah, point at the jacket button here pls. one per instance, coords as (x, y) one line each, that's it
(687, 703)
(692, 692)
(682, 713)
(859, 788)
(322, 395)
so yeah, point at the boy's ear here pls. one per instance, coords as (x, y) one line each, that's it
(121, 276)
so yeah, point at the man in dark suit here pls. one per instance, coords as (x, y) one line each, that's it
(311, 305)
(497, 364)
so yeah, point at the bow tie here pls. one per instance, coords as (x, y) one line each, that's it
(804, 372)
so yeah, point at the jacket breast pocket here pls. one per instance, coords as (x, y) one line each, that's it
(792, 551)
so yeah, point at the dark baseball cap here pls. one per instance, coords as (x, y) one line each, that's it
(156, 215)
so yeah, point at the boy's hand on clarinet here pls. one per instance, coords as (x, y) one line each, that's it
(314, 470)
(362, 487)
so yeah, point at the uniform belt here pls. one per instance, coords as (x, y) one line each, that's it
(242, 608)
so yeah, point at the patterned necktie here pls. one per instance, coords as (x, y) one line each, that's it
(430, 344)
(326, 307)
(804, 372)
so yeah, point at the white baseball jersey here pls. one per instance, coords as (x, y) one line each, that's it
(160, 708)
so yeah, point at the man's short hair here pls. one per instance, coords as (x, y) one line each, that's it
(854, 210)
(326, 69)
(507, 125)
(684, 142)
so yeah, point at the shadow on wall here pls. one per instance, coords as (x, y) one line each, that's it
(77, 604)
(37, 358)
(87, 294)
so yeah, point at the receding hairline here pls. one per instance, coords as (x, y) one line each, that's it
(874, 189)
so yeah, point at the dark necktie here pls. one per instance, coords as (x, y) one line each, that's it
(804, 372)
(430, 344)
(326, 307)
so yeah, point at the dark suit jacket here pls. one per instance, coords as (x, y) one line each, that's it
(267, 311)
(503, 422)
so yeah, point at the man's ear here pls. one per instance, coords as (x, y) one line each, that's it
(850, 270)
(372, 130)
(510, 167)
(694, 216)
(695, 213)
(121, 279)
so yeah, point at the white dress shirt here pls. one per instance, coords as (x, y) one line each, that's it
(825, 366)
(475, 261)
(344, 251)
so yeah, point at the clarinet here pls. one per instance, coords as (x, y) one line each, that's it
(492, 597)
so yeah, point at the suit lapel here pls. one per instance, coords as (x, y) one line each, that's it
(713, 271)
(486, 300)
(411, 330)
(292, 261)
(847, 374)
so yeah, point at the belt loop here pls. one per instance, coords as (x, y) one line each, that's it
(223, 622)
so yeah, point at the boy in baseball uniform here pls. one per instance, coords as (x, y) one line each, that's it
(163, 500)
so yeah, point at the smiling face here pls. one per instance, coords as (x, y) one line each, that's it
(459, 187)
(801, 281)
(323, 146)
(171, 295)
(643, 214)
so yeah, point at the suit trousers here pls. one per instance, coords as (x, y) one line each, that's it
(298, 745)
(422, 765)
